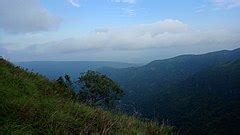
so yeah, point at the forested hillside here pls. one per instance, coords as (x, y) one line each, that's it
(32, 104)
(194, 92)
(199, 94)
(207, 102)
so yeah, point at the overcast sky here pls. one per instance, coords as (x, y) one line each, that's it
(116, 30)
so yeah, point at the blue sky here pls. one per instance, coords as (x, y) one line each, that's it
(116, 30)
(105, 13)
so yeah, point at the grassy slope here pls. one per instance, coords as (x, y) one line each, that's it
(31, 104)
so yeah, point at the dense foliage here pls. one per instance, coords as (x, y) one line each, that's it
(32, 104)
(98, 90)
(197, 93)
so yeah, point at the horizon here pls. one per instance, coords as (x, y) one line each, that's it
(107, 66)
(144, 63)
(129, 31)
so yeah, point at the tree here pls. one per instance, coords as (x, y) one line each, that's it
(69, 82)
(66, 86)
(98, 90)
(61, 81)
(65, 82)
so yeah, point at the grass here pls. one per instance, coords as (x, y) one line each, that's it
(32, 104)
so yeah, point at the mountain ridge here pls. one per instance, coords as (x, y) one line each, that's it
(159, 85)
(54, 69)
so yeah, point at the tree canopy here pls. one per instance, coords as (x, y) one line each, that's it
(98, 90)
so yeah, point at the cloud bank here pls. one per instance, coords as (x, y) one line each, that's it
(157, 35)
(142, 42)
(26, 16)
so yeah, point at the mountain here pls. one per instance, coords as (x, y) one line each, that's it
(197, 93)
(207, 102)
(54, 69)
(32, 104)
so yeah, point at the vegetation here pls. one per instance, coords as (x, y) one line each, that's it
(32, 104)
(208, 101)
(95, 89)
(98, 90)
(199, 94)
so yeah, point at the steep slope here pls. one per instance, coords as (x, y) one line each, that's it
(207, 102)
(32, 104)
(142, 82)
(166, 89)
(54, 69)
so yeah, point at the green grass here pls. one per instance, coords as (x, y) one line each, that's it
(32, 104)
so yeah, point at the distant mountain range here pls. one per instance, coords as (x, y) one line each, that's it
(194, 92)
(54, 69)
(199, 94)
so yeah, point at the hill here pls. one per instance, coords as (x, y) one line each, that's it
(207, 102)
(54, 69)
(32, 104)
(185, 90)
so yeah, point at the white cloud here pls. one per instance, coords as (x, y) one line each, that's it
(200, 9)
(125, 1)
(74, 3)
(227, 3)
(143, 36)
(128, 12)
(166, 33)
(143, 41)
(26, 16)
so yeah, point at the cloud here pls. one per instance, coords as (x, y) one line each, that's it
(143, 36)
(227, 3)
(26, 16)
(75, 3)
(142, 42)
(128, 12)
(200, 9)
(101, 30)
(166, 33)
(125, 1)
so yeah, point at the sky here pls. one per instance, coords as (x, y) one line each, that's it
(135, 31)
